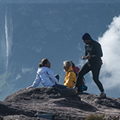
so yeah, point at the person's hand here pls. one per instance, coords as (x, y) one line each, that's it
(83, 57)
(86, 57)
(28, 87)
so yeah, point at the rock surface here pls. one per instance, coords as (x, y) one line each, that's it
(55, 104)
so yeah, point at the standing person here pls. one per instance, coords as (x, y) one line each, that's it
(70, 76)
(44, 75)
(93, 54)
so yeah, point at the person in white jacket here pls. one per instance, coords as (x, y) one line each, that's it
(44, 75)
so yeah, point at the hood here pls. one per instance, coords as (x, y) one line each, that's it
(70, 69)
(42, 70)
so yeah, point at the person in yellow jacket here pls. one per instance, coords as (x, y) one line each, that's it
(70, 76)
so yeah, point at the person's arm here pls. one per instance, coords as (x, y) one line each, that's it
(36, 82)
(70, 81)
(99, 52)
(52, 77)
(85, 55)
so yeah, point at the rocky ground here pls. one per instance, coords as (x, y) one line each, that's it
(55, 104)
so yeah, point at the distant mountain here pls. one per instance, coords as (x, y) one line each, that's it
(30, 32)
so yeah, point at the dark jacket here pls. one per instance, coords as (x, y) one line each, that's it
(93, 48)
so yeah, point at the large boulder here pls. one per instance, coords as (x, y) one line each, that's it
(55, 104)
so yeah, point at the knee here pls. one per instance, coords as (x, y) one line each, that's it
(57, 76)
(95, 79)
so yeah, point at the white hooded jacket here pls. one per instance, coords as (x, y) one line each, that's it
(46, 76)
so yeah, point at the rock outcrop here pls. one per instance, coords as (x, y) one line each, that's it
(55, 104)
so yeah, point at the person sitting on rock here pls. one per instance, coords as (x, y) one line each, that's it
(45, 75)
(70, 76)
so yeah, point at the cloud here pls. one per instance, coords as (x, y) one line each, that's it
(18, 76)
(8, 33)
(110, 42)
(24, 70)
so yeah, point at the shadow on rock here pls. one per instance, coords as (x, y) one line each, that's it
(109, 102)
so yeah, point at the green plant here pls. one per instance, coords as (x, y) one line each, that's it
(95, 117)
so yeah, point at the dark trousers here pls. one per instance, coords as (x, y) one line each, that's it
(95, 69)
(57, 76)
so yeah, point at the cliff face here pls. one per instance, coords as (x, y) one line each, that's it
(56, 104)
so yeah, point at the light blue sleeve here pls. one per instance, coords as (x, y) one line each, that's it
(36, 81)
(52, 76)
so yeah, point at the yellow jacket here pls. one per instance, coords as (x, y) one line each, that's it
(70, 78)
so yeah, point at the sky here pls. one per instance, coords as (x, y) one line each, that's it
(58, 1)
(28, 35)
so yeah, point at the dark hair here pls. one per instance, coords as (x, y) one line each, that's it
(44, 62)
(86, 36)
(39, 65)
(72, 63)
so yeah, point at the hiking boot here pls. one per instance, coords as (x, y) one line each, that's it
(102, 95)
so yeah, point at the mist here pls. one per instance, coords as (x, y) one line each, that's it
(110, 42)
